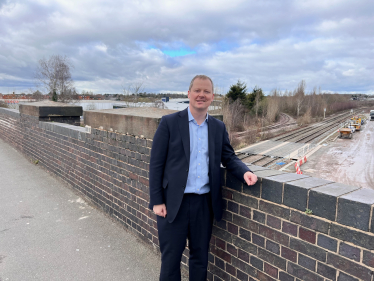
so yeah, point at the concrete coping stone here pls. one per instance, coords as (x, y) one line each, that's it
(335, 189)
(50, 109)
(267, 173)
(10, 109)
(56, 127)
(364, 195)
(12, 112)
(255, 168)
(134, 121)
(286, 177)
(147, 112)
(308, 183)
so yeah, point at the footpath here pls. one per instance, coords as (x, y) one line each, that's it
(47, 232)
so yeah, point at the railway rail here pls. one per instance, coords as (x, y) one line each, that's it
(306, 135)
(283, 122)
(312, 132)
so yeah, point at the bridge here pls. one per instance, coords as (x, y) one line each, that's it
(266, 233)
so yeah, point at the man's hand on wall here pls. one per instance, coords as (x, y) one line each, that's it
(250, 178)
(160, 210)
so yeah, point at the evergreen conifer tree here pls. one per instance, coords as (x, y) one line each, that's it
(238, 91)
(54, 96)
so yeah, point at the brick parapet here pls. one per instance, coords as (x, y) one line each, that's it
(265, 233)
(267, 240)
(109, 168)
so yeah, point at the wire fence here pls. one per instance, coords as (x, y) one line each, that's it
(304, 150)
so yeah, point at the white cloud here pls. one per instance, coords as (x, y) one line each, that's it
(272, 44)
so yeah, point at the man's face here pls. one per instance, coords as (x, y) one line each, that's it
(201, 95)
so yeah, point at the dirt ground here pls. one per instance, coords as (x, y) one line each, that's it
(348, 161)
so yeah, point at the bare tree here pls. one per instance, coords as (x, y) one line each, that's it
(137, 88)
(273, 106)
(133, 89)
(53, 74)
(126, 90)
(233, 116)
(37, 95)
(257, 102)
(300, 96)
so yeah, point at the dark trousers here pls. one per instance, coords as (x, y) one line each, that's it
(193, 222)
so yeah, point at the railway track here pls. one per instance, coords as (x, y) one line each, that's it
(310, 134)
(283, 122)
(260, 160)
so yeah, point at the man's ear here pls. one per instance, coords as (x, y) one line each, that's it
(188, 94)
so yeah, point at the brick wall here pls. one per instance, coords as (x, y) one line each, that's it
(265, 233)
(274, 239)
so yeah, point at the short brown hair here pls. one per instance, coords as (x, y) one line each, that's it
(203, 77)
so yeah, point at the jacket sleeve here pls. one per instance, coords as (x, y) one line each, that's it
(159, 154)
(229, 159)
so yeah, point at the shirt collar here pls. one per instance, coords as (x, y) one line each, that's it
(190, 117)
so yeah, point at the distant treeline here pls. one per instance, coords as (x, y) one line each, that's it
(142, 96)
(243, 109)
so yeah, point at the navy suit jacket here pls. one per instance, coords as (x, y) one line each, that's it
(170, 158)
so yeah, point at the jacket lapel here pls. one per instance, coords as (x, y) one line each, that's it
(185, 132)
(211, 146)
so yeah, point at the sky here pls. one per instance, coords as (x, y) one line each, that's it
(163, 44)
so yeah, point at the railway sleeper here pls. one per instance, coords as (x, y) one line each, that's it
(276, 158)
(260, 159)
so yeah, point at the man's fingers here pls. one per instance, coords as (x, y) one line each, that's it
(164, 212)
(160, 210)
(250, 178)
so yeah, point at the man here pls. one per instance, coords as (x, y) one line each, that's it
(185, 190)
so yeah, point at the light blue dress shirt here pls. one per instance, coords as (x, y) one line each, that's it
(198, 178)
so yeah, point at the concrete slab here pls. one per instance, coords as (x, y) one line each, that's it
(148, 112)
(286, 177)
(335, 189)
(255, 168)
(12, 112)
(285, 150)
(364, 196)
(135, 121)
(263, 146)
(49, 233)
(309, 182)
(50, 109)
(268, 173)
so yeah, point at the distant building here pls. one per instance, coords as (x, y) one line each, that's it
(177, 104)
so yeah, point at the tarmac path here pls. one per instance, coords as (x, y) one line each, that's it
(49, 233)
